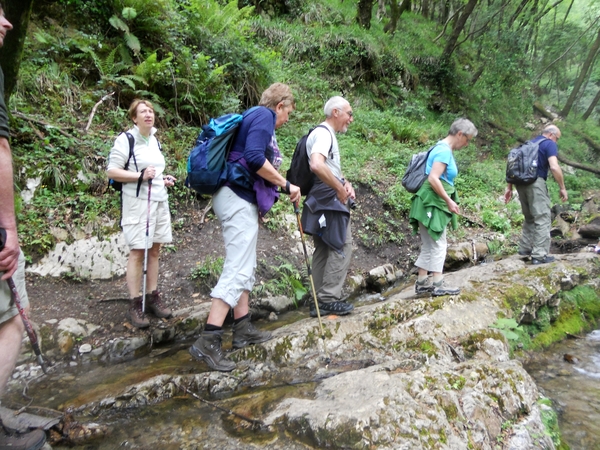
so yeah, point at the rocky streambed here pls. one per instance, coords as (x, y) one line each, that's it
(408, 372)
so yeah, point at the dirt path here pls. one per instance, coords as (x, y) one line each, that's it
(105, 302)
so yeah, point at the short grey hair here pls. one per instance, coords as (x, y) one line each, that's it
(551, 129)
(336, 102)
(463, 125)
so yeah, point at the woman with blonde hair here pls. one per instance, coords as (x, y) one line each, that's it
(249, 193)
(136, 161)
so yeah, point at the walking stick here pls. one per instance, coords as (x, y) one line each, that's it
(17, 300)
(308, 269)
(146, 249)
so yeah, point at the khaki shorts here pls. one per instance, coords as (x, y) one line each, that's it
(7, 308)
(135, 215)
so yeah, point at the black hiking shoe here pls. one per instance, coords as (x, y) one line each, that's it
(154, 303)
(34, 440)
(524, 253)
(135, 314)
(338, 308)
(545, 260)
(244, 333)
(207, 348)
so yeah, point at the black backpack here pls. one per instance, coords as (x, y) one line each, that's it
(299, 172)
(522, 163)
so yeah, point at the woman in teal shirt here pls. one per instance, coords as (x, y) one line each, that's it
(435, 205)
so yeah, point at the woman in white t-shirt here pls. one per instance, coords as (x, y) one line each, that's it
(137, 162)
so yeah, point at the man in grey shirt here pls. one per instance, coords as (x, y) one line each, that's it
(326, 212)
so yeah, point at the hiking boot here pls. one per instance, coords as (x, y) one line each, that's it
(339, 308)
(156, 306)
(441, 288)
(135, 314)
(34, 440)
(425, 286)
(207, 348)
(244, 333)
(545, 260)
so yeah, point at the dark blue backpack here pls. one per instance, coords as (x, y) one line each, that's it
(207, 163)
(522, 163)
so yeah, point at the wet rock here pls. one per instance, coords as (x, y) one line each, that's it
(276, 304)
(591, 229)
(121, 349)
(70, 330)
(381, 277)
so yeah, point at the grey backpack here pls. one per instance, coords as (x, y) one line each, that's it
(415, 175)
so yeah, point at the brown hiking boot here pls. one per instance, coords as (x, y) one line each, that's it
(208, 348)
(156, 306)
(34, 440)
(244, 333)
(135, 314)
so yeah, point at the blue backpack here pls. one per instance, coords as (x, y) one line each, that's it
(207, 163)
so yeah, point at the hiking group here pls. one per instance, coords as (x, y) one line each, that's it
(246, 188)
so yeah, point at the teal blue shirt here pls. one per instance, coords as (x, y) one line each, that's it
(443, 153)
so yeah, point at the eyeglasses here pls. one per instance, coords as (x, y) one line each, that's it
(556, 136)
(350, 113)
(468, 138)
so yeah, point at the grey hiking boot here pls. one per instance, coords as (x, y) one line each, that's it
(208, 348)
(244, 333)
(34, 440)
(156, 306)
(425, 286)
(441, 288)
(135, 314)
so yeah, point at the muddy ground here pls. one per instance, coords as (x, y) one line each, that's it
(376, 236)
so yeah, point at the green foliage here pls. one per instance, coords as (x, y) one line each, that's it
(283, 279)
(207, 272)
(509, 328)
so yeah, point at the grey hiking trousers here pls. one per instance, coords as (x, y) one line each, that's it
(330, 268)
(535, 204)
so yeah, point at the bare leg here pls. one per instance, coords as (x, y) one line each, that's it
(11, 334)
(152, 279)
(135, 268)
(220, 309)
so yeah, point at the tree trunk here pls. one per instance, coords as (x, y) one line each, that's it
(364, 12)
(458, 27)
(17, 12)
(395, 13)
(592, 106)
(587, 66)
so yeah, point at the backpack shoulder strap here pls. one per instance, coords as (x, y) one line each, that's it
(131, 140)
(330, 155)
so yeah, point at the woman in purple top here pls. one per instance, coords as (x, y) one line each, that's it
(250, 191)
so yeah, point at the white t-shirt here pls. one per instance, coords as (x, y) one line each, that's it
(320, 141)
(147, 153)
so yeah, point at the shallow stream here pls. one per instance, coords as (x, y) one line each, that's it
(573, 387)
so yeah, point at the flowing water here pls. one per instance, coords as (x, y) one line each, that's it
(569, 374)
(182, 422)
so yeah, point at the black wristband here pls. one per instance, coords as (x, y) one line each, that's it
(287, 187)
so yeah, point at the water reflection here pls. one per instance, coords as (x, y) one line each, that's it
(573, 387)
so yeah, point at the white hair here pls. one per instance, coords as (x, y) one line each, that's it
(336, 102)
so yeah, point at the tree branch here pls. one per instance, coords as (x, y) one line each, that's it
(87, 127)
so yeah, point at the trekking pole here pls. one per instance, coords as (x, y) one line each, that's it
(17, 300)
(308, 269)
(146, 248)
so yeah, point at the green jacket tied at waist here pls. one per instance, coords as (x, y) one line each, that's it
(432, 211)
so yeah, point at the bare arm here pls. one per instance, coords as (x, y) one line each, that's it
(437, 170)
(558, 177)
(508, 192)
(9, 256)
(269, 173)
